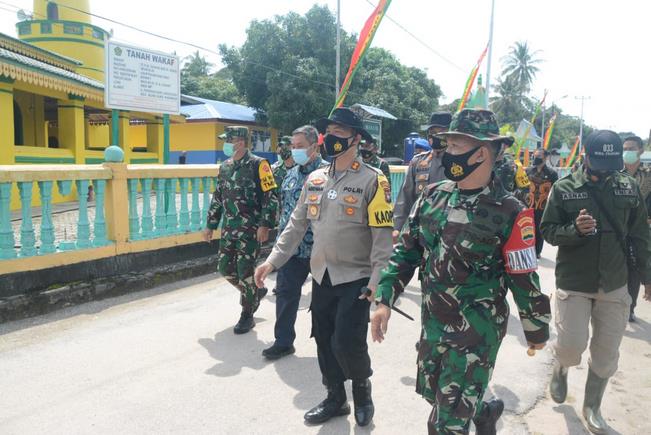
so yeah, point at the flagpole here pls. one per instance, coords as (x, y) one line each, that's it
(338, 56)
(490, 54)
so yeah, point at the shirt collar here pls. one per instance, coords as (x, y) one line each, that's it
(311, 166)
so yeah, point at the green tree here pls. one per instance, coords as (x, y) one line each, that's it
(286, 70)
(520, 66)
(197, 80)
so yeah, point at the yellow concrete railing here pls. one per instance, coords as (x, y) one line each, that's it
(135, 210)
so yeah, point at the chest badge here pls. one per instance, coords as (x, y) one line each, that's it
(313, 197)
(332, 194)
(355, 166)
(318, 181)
(314, 210)
(350, 199)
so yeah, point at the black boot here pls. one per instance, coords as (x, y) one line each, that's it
(334, 405)
(363, 401)
(485, 423)
(245, 324)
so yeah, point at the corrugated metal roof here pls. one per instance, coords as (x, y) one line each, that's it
(29, 46)
(375, 111)
(211, 109)
(47, 68)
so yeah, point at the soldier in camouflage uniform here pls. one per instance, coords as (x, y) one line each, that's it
(285, 163)
(633, 149)
(477, 240)
(368, 153)
(512, 175)
(245, 198)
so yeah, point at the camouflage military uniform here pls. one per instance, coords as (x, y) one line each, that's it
(380, 164)
(513, 177)
(464, 312)
(279, 168)
(475, 245)
(245, 199)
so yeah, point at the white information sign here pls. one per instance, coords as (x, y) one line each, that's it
(141, 79)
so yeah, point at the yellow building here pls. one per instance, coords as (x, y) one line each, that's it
(52, 100)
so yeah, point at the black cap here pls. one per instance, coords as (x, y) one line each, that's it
(604, 150)
(439, 119)
(346, 117)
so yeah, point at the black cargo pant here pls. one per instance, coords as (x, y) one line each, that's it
(339, 326)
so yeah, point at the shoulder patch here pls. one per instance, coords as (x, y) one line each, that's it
(519, 251)
(267, 180)
(380, 210)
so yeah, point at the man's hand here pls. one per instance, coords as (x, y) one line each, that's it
(647, 292)
(207, 235)
(380, 322)
(263, 234)
(261, 273)
(395, 234)
(585, 223)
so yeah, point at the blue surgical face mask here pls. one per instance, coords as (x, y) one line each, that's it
(229, 149)
(301, 156)
(630, 157)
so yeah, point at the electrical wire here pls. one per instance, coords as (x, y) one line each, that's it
(419, 40)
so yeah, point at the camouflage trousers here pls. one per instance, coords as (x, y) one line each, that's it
(453, 380)
(237, 260)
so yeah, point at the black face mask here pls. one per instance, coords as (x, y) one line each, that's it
(366, 154)
(538, 161)
(456, 166)
(601, 175)
(436, 142)
(335, 145)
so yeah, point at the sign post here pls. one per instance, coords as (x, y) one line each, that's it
(142, 80)
(374, 127)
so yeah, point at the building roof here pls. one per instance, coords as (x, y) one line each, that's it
(38, 53)
(203, 109)
(27, 69)
(374, 111)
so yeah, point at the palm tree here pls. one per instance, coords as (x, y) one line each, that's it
(520, 65)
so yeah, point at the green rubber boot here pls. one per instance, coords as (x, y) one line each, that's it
(594, 392)
(558, 384)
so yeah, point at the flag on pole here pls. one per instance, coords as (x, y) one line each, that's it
(471, 81)
(548, 133)
(364, 42)
(573, 153)
(520, 140)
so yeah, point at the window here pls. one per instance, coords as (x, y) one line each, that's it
(46, 27)
(25, 29)
(73, 29)
(52, 11)
(261, 140)
(98, 34)
(18, 125)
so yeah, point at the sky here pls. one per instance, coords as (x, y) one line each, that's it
(598, 49)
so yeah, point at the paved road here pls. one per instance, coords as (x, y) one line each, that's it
(166, 361)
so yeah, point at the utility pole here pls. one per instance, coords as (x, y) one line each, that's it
(490, 54)
(338, 55)
(542, 125)
(582, 98)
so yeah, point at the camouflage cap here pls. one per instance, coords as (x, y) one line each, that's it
(234, 131)
(285, 141)
(478, 124)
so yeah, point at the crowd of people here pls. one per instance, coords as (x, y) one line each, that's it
(472, 219)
